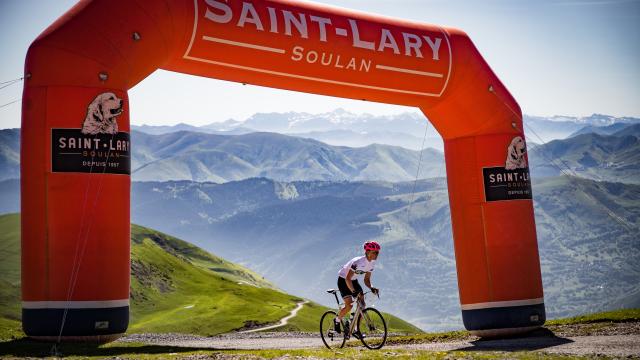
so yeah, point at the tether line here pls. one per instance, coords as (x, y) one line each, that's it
(415, 182)
(9, 103)
(12, 81)
(9, 84)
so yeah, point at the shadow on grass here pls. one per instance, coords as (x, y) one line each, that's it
(535, 340)
(30, 348)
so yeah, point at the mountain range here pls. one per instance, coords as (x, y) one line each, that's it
(613, 157)
(298, 234)
(343, 128)
(587, 232)
(295, 209)
(195, 156)
(221, 158)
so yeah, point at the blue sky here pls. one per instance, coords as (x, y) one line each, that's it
(557, 57)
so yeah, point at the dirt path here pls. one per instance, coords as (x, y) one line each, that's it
(243, 341)
(614, 345)
(283, 321)
(610, 339)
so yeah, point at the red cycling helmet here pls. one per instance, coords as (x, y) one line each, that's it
(371, 246)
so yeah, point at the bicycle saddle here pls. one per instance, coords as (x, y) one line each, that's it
(332, 291)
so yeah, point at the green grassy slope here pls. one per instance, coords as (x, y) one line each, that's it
(176, 287)
(10, 270)
(622, 315)
(198, 257)
(172, 295)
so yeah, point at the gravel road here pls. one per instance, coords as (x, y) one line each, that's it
(613, 345)
(244, 341)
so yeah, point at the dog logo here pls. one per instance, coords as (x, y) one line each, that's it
(515, 154)
(102, 114)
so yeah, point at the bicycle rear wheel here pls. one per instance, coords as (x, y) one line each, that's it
(330, 337)
(373, 328)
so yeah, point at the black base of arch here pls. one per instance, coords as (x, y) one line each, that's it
(79, 322)
(504, 317)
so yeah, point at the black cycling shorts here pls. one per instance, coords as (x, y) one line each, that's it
(344, 289)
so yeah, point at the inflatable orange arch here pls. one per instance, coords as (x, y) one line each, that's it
(75, 151)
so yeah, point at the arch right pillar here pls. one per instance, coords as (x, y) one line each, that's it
(496, 249)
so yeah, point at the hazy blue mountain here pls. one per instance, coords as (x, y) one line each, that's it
(600, 119)
(298, 235)
(339, 119)
(588, 234)
(343, 128)
(198, 156)
(159, 129)
(633, 130)
(602, 130)
(600, 157)
(338, 127)
(207, 129)
(9, 196)
(9, 154)
(360, 139)
(206, 157)
(540, 129)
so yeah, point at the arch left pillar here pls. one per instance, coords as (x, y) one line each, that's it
(75, 163)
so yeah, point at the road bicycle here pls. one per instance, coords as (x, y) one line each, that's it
(366, 324)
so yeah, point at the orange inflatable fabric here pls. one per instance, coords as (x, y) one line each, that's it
(75, 152)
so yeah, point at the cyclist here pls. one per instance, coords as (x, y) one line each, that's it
(349, 286)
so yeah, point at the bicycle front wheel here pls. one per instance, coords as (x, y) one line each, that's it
(330, 337)
(373, 328)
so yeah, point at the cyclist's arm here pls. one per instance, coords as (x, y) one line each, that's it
(367, 280)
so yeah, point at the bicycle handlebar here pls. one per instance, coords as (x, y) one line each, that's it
(371, 292)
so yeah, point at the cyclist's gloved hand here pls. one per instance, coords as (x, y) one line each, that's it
(375, 291)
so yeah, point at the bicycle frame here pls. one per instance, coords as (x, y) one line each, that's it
(357, 313)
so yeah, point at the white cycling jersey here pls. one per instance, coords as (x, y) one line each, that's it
(359, 265)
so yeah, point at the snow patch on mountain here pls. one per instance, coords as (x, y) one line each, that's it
(285, 191)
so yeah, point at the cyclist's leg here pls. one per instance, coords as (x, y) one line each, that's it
(348, 301)
(358, 289)
(347, 297)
